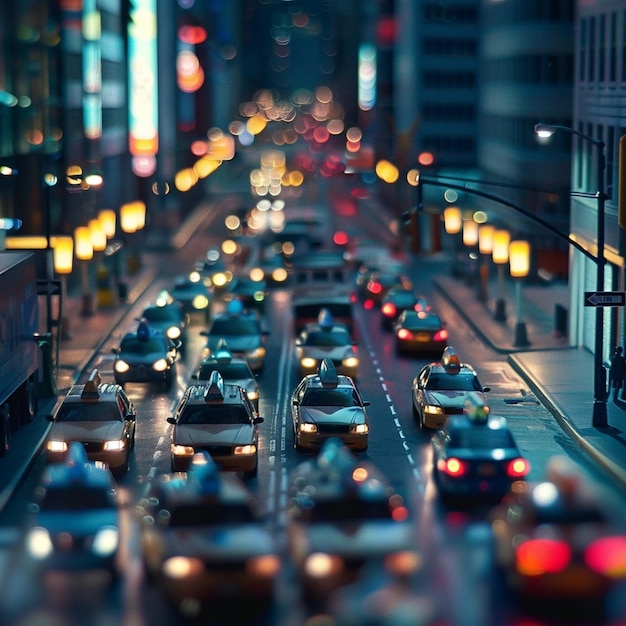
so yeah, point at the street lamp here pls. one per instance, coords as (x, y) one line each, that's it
(84, 253)
(63, 257)
(519, 266)
(133, 219)
(485, 248)
(470, 239)
(500, 256)
(453, 222)
(599, 416)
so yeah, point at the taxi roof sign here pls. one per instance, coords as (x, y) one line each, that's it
(222, 354)
(328, 373)
(450, 360)
(214, 387)
(90, 390)
(325, 319)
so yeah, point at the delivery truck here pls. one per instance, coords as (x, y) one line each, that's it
(19, 350)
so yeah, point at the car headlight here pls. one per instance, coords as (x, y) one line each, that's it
(266, 566)
(178, 450)
(359, 429)
(245, 449)
(321, 565)
(308, 362)
(181, 567)
(279, 275)
(56, 446)
(433, 408)
(253, 394)
(256, 353)
(39, 543)
(160, 366)
(121, 367)
(115, 445)
(106, 541)
(173, 332)
(351, 361)
(307, 427)
(200, 302)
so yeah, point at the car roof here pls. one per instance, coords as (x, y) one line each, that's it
(215, 391)
(93, 391)
(439, 368)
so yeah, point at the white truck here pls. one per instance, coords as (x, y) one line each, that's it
(19, 351)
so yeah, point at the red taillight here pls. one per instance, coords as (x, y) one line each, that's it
(517, 468)
(404, 334)
(607, 556)
(453, 467)
(388, 309)
(368, 305)
(441, 335)
(542, 556)
(374, 287)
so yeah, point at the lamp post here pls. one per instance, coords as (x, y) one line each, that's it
(599, 415)
(519, 265)
(500, 256)
(453, 222)
(485, 248)
(63, 256)
(470, 239)
(84, 253)
(132, 219)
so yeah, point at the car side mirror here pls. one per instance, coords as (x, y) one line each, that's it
(258, 420)
(366, 402)
(130, 417)
(486, 389)
(171, 420)
(50, 418)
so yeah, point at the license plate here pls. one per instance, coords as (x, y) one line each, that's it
(486, 469)
(422, 337)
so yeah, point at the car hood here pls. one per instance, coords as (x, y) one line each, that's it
(324, 352)
(223, 542)
(356, 540)
(190, 435)
(451, 398)
(77, 522)
(321, 414)
(86, 431)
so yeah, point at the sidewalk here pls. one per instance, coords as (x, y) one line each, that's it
(561, 376)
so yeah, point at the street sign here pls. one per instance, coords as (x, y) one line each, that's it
(605, 298)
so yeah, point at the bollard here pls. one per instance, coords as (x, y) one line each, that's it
(105, 295)
(560, 320)
(47, 387)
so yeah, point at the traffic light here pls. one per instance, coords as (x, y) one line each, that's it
(621, 182)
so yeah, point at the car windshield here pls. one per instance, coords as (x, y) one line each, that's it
(228, 371)
(202, 514)
(235, 326)
(453, 382)
(162, 314)
(132, 345)
(329, 397)
(214, 414)
(327, 339)
(348, 509)
(481, 438)
(76, 498)
(430, 322)
(89, 412)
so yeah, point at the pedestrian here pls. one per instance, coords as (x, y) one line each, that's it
(617, 371)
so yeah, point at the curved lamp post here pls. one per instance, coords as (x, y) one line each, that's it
(519, 266)
(599, 417)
